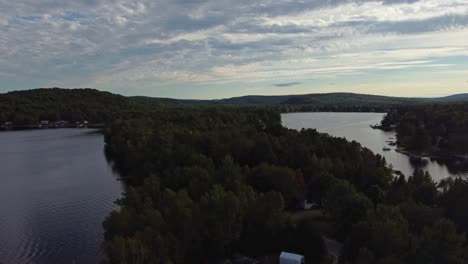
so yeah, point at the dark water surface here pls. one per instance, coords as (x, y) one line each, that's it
(356, 126)
(56, 188)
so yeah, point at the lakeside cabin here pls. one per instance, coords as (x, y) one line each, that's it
(6, 126)
(43, 124)
(83, 124)
(308, 205)
(61, 124)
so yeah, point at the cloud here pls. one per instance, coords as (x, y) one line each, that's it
(127, 43)
(286, 84)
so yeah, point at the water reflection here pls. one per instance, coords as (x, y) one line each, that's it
(56, 190)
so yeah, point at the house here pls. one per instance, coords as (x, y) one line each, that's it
(61, 124)
(83, 124)
(308, 205)
(43, 123)
(291, 258)
(7, 124)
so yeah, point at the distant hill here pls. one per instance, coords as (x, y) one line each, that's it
(170, 101)
(455, 97)
(31, 106)
(323, 99)
(306, 99)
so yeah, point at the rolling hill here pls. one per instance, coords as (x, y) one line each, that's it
(31, 106)
(306, 99)
(455, 97)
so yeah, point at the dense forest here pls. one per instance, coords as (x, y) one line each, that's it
(431, 128)
(208, 184)
(53, 104)
(31, 106)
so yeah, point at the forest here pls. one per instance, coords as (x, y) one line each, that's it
(205, 185)
(54, 104)
(209, 183)
(431, 128)
(29, 107)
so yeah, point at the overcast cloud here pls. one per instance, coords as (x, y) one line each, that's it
(185, 48)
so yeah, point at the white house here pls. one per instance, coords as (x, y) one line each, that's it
(290, 258)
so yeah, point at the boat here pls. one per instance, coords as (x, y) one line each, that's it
(418, 161)
(386, 149)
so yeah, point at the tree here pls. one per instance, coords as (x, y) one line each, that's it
(265, 225)
(383, 233)
(423, 188)
(266, 178)
(454, 199)
(440, 243)
(345, 206)
(221, 220)
(306, 240)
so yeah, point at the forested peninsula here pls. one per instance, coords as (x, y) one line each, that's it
(436, 130)
(206, 185)
(431, 128)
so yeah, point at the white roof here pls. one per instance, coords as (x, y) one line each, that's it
(291, 256)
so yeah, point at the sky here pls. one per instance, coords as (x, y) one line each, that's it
(224, 48)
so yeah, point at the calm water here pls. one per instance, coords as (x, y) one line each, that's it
(355, 126)
(56, 189)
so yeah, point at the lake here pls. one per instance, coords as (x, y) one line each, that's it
(56, 189)
(356, 126)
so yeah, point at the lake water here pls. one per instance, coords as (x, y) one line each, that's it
(356, 126)
(56, 189)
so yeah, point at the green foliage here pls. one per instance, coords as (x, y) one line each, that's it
(207, 183)
(306, 240)
(381, 236)
(345, 206)
(431, 128)
(454, 199)
(32, 106)
(274, 178)
(439, 243)
(387, 237)
(307, 102)
(211, 182)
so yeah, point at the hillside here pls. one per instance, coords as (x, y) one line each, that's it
(306, 99)
(31, 106)
(455, 97)
(322, 99)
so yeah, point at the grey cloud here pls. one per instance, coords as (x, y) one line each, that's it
(84, 38)
(420, 26)
(286, 84)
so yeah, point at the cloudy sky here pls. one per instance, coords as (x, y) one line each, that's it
(224, 48)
